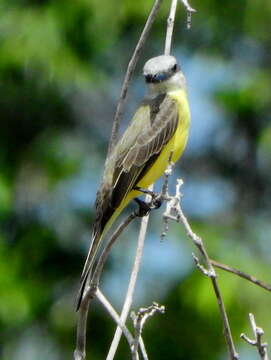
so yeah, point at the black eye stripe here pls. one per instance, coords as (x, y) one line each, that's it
(175, 68)
(148, 78)
(159, 77)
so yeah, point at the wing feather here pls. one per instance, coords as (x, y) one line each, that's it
(154, 135)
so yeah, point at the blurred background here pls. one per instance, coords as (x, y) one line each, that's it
(61, 67)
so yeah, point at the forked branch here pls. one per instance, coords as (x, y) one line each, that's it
(175, 212)
(257, 341)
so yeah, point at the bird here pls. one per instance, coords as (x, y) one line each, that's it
(157, 131)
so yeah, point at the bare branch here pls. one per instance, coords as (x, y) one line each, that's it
(129, 73)
(241, 274)
(143, 350)
(257, 341)
(131, 287)
(170, 26)
(90, 292)
(139, 320)
(112, 312)
(201, 267)
(175, 212)
(189, 11)
(80, 351)
(188, 6)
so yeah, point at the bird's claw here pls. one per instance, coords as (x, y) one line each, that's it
(143, 208)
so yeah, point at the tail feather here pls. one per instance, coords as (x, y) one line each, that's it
(81, 291)
(96, 239)
(101, 227)
(95, 242)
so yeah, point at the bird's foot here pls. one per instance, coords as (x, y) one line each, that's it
(155, 203)
(143, 207)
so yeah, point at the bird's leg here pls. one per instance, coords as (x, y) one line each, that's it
(144, 207)
(145, 191)
(155, 202)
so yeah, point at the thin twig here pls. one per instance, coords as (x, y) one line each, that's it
(170, 26)
(113, 313)
(257, 341)
(109, 308)
(90, 292)
(174, 211)
(139, 320)
(143, 349)
(128, 75)
(188, 6)
(131, 287)
(80, 351)
(241, 274)
(189, 11)
(211, 273)
(165, 195)
(104, 255)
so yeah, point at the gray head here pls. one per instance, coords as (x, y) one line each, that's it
(163, 74)
(160, 68)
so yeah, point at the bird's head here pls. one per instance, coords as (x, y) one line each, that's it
(162, 74)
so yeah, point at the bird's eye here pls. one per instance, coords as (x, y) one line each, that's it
(175, 67)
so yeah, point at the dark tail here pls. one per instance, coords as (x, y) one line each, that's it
(81, 291)
(96, 238)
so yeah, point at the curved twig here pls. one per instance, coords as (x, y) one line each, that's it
(129, 73)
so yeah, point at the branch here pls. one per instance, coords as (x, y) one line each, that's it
(189, 11)
(174, 212)
(257, 341)
(242, 275)
(90, 292)
(139, 320)
(131, 287)
(80, 351)
(170, 26)
(188, 6)
(129, 73)
(112, 312)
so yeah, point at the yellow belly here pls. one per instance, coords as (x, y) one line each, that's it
(176, 145)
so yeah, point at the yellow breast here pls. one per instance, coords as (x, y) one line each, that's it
(176, 145)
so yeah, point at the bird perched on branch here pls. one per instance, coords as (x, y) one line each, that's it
(158, 130)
